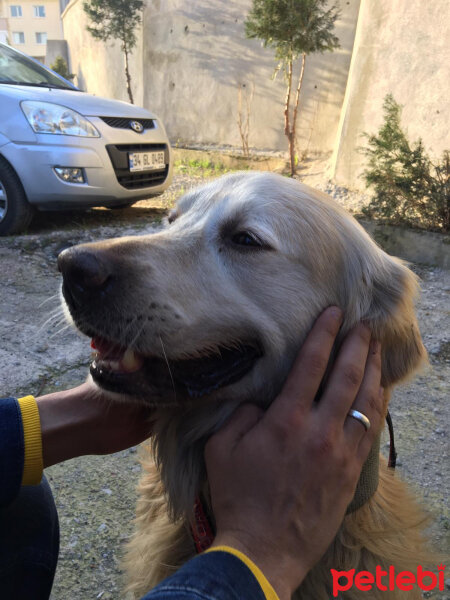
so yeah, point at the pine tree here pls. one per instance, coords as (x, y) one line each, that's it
(60, 67)
(295, 29)
(409, 187)
(116, 19)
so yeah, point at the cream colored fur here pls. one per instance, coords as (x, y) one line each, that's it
(388, 530)
(192, 289)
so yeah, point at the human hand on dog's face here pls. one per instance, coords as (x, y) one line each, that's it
(281, 480)
(84, 421)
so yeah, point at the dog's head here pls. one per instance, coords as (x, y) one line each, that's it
(211, 311)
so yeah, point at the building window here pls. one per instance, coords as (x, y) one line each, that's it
(18, 37)
(41, 38)
(16, 10)
(39, 11)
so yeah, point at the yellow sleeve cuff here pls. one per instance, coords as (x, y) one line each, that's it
(33, 465)
(268, 590)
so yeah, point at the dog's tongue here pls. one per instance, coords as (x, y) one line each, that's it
(106, 348)
(116, 358)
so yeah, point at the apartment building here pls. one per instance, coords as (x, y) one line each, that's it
(28, 24)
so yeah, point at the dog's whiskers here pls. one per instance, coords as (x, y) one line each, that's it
(123, 336)
(53, 315)
(60, 331)
(56, 310)
(48, 300)
(55, 320)
(168, 366)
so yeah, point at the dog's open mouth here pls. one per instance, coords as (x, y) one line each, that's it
(123, 370)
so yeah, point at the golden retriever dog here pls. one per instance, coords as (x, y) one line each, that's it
(209, 313)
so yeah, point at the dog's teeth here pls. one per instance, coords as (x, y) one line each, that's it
(128, 363)
(131, 361)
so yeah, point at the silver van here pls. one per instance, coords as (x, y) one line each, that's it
(61, 148)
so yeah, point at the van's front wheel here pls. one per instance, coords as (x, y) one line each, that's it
(15, 211)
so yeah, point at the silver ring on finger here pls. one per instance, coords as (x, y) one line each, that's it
(355, 414)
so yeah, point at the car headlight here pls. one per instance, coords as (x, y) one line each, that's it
(45, 117)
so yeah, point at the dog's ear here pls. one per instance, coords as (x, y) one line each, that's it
(392, 316)
(384, 298)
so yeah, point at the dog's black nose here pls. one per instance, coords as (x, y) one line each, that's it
(85, 273)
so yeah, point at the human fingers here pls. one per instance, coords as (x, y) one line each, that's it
(241, 421)
(346, 375)
(376, 422)
(366, 402)
(309, 367)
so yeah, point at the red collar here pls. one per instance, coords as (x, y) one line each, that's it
(201, 529)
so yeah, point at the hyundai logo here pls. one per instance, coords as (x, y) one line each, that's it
(136, 126)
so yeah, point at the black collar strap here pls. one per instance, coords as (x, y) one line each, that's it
(392, 452)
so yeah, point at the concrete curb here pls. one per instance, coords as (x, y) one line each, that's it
(421, 247)
(231, 161)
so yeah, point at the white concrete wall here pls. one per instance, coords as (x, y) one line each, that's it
(99, 66)
(54, 49)
(193, 54)
(402, 48)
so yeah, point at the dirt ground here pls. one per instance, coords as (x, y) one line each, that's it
(95, 496)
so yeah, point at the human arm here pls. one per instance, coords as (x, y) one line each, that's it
(11, 450)
(281, 481)
(37, 433)
(289, 450)
(83, 421)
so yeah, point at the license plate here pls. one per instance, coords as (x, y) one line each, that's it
(146, 161)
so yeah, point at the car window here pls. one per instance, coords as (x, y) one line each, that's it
(16, 68)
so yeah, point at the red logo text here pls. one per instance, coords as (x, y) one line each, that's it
(387, 580)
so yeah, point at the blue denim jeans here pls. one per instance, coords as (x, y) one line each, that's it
(29, 544)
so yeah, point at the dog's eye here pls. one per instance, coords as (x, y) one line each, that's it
(246, 238)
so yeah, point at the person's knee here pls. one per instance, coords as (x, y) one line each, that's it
(29, 543)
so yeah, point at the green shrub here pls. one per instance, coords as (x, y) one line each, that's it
(60, 67)
(409, 187)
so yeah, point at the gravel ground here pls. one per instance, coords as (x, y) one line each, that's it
(96, 496)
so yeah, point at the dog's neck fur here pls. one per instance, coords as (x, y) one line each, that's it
(187, 459)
